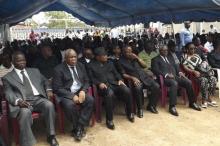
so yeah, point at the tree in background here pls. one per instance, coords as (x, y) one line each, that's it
(58, 19)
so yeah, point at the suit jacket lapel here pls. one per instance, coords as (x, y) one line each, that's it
(32, 78)
(79, 73)
(16, 77)
(67, 71)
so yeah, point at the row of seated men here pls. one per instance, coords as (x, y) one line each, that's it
(27, 90)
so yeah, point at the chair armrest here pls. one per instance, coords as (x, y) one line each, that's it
(161, 80)
(4, 106)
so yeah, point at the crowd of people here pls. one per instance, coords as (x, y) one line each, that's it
(32, 73)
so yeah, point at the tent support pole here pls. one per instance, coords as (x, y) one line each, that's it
(173, 31)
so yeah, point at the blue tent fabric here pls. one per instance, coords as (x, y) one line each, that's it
(114, 12)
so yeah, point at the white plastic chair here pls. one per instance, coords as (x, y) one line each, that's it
(218, 84)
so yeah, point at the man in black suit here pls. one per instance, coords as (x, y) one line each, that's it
(133, 71)
(86, 59)
(109, 84)
(70, 84)
(165, 65)
(27, 91)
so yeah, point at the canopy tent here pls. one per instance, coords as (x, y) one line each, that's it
(114, 12)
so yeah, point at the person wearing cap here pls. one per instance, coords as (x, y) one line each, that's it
(109, 83)
(186, 35)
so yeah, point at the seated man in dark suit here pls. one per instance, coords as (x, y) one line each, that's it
(214, 56)
(165, 65)
(26, 91)
(70, 84)
(133, 71)
(46, 61)
(109, 84)
(86, 59)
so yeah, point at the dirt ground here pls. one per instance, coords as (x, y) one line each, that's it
(191, 128)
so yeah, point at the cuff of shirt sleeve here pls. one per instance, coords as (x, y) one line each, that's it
(16, 101)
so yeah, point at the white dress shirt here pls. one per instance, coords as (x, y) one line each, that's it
(75, 86)
(209, 46)
(87, 60)
(165, 60)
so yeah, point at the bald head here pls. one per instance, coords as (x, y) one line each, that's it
(71, 57)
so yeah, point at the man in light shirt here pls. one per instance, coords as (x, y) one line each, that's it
(186, 35)
(213, 29)
(209, 44)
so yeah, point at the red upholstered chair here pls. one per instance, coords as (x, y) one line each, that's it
(60, 113)
(4, 123)
(164, 92)
(192, 78)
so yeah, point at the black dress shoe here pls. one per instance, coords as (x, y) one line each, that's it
(173, 111)
(152, 109)
(131, 117)
(195, 106)
(78, 133)
(110, 125)
(140, 113)
(52, 141)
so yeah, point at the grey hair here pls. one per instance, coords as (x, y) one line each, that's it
(68, 51)
(162, 46)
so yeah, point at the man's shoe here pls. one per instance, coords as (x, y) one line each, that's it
(140, 113)
(110, 125)
(131, 117)
(173, 111)
(78, 133)
(52, 141)
(152, 109)
(195, 106)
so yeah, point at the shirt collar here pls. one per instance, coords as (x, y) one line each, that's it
(163, 56)
(70, 66)
(87, 60)
(18, 71)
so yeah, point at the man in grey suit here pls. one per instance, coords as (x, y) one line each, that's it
(26, 91)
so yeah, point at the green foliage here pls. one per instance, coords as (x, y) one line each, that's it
(59, 19)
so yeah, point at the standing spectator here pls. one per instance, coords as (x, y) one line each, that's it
(32, 36)
(209, 44)
(185, 35)
(213, 29)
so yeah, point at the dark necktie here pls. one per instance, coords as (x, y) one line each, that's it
(27, 85)
(168, 64)
(75, 75)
